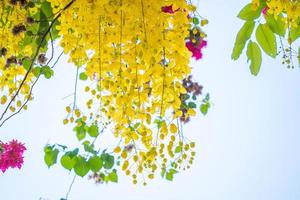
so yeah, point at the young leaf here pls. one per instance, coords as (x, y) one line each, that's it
(83, 76)
(169, 176)
(81, 167)
(93, 131)
(113, 177)
(80, 132)
(47, 9)
(47, 72)
(50, 157)
(67, 162)
(192, 105)
(108, 160)
(242, 37)
(254, 55)
(267, 40)
(204, 108)
(178, 149)
(294, 34)
(276, 25)
(26, 63)
(95, 163)
(36, 71)
(248, 13)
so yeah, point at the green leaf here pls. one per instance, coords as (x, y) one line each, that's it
(47, 72)
(267, 40)
(36, 71)
(81, 167)
(108, 160)
(50, 156)
(80, 131)
(113, 177)
(242, 37)
(192, 105)
(169, 176)
(254, 55)
(26, 63)
(83, 76)
(173, 171)
(196, 21)
(93, 131)
(67, 162)
(276, 25)
(178, 149)
(204, 108)
(88, 147)
(294, 34)
(248, 13)
(95, 163)
(47, 9)
(54, 31)
(74, 153)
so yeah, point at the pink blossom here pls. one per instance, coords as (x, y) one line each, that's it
(196, 50)
(11, 155)
(169, 9)
(265, 10)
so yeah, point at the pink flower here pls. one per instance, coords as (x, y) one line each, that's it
(169, 9)
(11, 155)
(196, 50)
(265, 10)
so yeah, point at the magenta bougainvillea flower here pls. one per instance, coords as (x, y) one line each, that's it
(169, 9)
(265, 10)
(11, 155)
(196, 49)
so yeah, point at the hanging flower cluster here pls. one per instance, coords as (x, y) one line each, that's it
(11, 155)
(23, 43)
(133, 58)
(289, 9)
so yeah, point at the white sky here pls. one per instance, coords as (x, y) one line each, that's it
(248, 145)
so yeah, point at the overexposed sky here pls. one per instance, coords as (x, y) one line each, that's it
(248, 145)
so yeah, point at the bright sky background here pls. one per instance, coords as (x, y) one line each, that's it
(248, 145)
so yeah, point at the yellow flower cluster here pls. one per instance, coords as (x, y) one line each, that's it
(289, 8)
(13, 51)
(135, 57)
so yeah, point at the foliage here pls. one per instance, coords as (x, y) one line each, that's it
(273, 23)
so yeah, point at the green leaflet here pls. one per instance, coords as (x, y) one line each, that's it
(93, 131)
(113, 177)
(68, 162)
(248, 13)
(254, 55)
(50, 156)
(267, 40)
(95, 163)
(276, 25)
(81, 167)
(294, 34)
(242, 37)
(83, 76)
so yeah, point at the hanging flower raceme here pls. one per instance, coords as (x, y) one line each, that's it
(11, 155)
